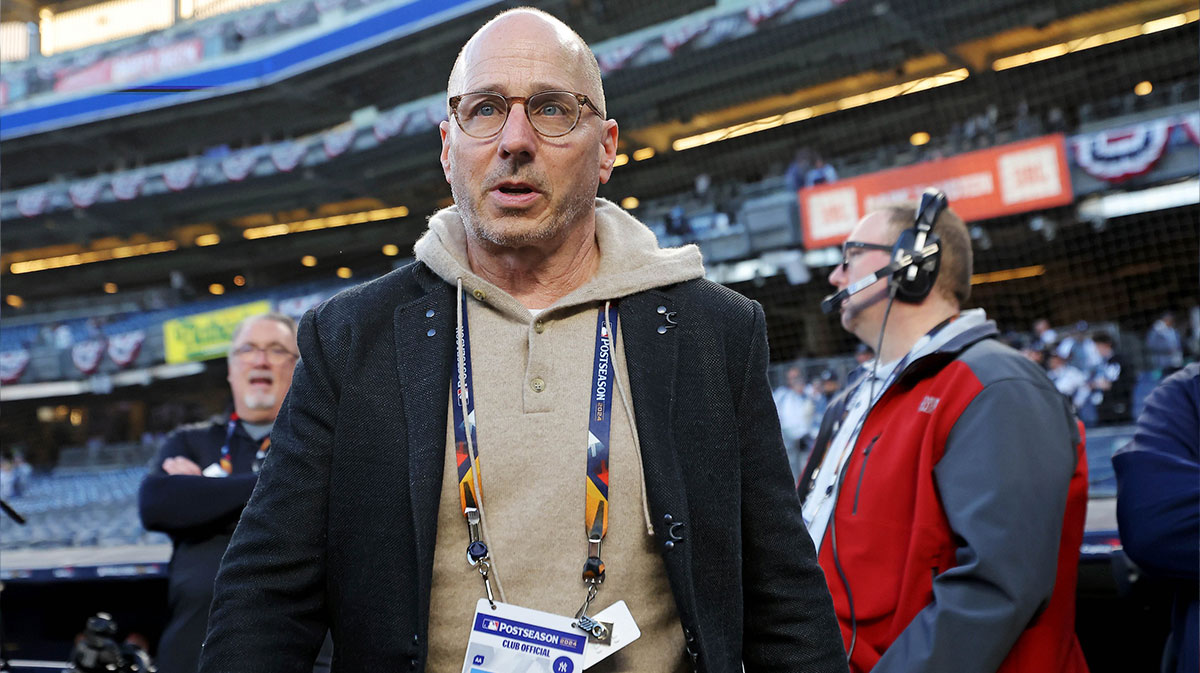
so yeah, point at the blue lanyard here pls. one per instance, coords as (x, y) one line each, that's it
(599, 425)
(226, 461)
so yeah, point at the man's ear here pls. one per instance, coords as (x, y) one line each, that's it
(608, 150)
(444, 129)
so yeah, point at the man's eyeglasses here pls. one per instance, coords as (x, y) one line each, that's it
(482, 114)
(852, 249)
(276, 355)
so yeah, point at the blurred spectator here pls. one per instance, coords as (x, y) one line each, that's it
(1158, 505)
(1034, 354)
(797, 171)
(1067, 379)
(22, 473)
(821, 392)
(204, 474)
(677, 223)
(821, 173)
(1044, 335)
(1079, 349)
(1110, 386)
(8, 477)
(1056, 121)
(1025, 124)
(862, 355)
(1164, 348)
(1194, 322)
(795, 418)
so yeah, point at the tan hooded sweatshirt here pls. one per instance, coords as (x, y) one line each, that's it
(532, 447)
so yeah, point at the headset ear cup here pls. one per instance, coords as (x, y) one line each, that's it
(915, 291)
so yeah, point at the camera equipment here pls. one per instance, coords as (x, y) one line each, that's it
(99, 651)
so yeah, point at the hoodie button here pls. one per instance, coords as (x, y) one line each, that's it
(480, 295)
(539, 327)
(537, 384)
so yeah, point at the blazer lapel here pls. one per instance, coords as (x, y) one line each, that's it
(652, 326)
(424, 330)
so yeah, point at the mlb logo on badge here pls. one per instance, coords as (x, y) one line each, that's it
(491, 624)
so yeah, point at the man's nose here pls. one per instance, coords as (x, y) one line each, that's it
(518, 138)
(837, 277)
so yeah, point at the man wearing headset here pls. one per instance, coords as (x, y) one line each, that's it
(947, 489)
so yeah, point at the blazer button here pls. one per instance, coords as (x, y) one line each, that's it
(537, 384)
(669, 545)
(416, 639)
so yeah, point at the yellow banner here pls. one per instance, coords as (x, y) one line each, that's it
(204, 336)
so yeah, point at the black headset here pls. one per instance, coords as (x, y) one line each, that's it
(916, 257)
(914, 282)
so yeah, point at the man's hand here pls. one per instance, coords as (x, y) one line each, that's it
(181, 465)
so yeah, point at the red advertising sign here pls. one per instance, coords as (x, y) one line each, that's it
(139, 65)
(1013, 178)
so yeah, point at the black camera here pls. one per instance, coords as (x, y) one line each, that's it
(98, 650)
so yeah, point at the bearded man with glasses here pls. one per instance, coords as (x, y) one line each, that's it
(545, 410)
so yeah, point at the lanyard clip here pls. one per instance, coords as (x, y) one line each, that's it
(476, 550)
(593, 568)
(597, 631)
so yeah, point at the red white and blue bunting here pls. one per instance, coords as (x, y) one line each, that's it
(1118, 154)
(123, 348)
(12, 365)
(338, 139)
(85, 192)
(32, 202)
(87, 354)
(128, 186)
(287, 154)
(181, 174)
(239, 165)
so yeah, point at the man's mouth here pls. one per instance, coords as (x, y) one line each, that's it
(265, 381)
(514, 193)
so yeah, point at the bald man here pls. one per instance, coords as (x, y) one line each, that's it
(547, 427)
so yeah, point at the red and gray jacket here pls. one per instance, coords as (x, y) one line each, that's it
(954, 541)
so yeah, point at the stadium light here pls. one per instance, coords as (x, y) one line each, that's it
(14, 301)
(391, 250)
(801, 114)
(1097, 40)
(331, 221)
(643, 154)
(239, 280)
(630, 202)
(1109, 206)
(919, 138)
(110, 288)
(204, 240)
(216, 289)
(344, 272)
(1008, 274)
(308, 260)
(1143, 88)
(75, 259)
(620, 160)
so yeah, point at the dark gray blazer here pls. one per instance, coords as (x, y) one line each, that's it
(340, 529)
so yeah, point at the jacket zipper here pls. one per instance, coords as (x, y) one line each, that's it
(862, 469)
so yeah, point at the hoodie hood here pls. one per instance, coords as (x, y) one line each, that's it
(631, 260)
